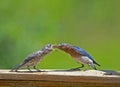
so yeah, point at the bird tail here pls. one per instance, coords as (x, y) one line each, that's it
(16, 68)
(96, 63)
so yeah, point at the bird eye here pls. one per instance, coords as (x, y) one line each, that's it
(49, 45)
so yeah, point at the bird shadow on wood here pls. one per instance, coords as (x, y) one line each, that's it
(111, 72)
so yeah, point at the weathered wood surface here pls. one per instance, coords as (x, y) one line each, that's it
(60, 78)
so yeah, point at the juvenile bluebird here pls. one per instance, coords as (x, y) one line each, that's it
(80, 55)
(33, 59)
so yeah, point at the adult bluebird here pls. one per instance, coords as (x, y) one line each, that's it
(33, 59)
(80, 55)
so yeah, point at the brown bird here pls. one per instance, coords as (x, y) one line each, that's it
(33, 59)
(80, 55)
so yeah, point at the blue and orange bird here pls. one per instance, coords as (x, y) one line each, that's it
(33, 59)
(80, 55)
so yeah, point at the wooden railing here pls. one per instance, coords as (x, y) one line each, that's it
(60, 78)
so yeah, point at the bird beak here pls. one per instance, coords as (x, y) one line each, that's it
(53, 49)
(55, 46)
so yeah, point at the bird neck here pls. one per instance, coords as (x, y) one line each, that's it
(71, 51)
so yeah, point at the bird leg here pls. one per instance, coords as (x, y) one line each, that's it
(34, 67)
(16, 70)
(29, 68)
(87, 68)
(78, 68)
(92, 65)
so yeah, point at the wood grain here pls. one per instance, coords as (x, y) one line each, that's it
(60, 78)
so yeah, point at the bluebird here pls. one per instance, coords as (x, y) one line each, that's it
(33, 59)
(80, 55)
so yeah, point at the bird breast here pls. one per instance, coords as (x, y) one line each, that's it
(83, 60)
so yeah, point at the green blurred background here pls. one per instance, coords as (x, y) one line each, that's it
(27, 25)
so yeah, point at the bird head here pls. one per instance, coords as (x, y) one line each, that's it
(48, 47)
(63, 46)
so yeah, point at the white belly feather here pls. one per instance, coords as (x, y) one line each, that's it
(84, 60)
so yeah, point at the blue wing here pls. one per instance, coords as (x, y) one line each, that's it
(82, 52)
